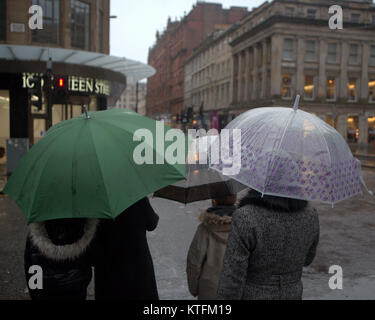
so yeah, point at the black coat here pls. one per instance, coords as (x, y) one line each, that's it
(61, 248)
(124, 267)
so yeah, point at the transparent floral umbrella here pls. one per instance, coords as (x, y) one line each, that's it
(201, 182)
(290, 153)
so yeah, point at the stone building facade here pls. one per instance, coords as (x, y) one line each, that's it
(128, 98)
(208, 79)
(165, 90)
(73, 24)
(284, 48)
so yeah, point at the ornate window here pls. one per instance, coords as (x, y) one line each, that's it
(310, 51)
(80, 24)
(286, 87)
(352, 90)
(331, 89)
(332, 53)
(309, 88)
(288, 49)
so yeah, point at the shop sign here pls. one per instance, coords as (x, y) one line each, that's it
(76, 84)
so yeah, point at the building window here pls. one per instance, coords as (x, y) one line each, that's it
(286, 88)
(289, 11)
(371, 90)
(309, 88)
(332, 53)
(353, 54)
(101, 31)
(51, 15)
(352, 90)
(331, 89)
(310, 50)
(80, 24)
(373, 19)
(372, 55)
(288, 49)
(311, 13)
(355, 18)
(3, 20)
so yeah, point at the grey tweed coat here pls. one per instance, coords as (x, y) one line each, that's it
(267, 250)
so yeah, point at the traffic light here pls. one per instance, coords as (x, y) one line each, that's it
(190, 114)
(60, 86)
(35, 91)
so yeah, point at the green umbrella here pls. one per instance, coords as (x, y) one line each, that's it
(84, 167)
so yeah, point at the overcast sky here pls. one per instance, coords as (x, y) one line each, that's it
(133, 32)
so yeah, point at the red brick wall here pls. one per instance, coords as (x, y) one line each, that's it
(165, 90)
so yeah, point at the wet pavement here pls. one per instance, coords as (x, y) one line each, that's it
(347, 240)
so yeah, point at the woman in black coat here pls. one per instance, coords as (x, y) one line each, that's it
(124, 267)
(61, 248)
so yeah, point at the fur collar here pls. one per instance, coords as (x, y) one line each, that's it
(39, 237)
(214, 219)
(273, 203)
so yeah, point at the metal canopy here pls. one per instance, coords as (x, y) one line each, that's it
(133, 70)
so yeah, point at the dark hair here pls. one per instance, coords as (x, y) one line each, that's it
(273, 203)
(226, 200)
(65, 231)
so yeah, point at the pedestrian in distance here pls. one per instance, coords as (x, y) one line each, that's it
(206, 253)
(123, 264)
(271, 240)
(61, 248)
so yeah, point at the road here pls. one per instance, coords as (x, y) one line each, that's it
(347, 239)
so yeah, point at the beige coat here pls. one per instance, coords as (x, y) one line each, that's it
(206, 254)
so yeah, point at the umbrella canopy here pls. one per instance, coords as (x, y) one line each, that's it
(84, 167)
(290, 153)
(201, 182)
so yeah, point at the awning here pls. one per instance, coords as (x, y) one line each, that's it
(133, 70)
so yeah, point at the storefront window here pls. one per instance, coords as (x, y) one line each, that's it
(4, 128)
(80, 24)
(309, 88)
(51, 16)
(331, 120)
(331, 89)
(352, 90)
(286, 90)
(65, 112)
(371, 90)
(353, 131)
(39, 126)
(371, 129)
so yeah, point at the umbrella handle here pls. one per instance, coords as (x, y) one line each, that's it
(296, 102)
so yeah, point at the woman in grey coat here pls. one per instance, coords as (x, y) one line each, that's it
(270, 242)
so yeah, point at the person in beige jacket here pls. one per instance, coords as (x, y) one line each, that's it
(206, 253)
